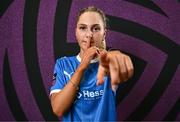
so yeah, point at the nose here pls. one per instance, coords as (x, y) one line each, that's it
(89, 34)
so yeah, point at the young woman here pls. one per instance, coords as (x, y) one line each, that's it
(85, 85)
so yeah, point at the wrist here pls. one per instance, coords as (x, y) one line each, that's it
(74, 84)
(81, 67)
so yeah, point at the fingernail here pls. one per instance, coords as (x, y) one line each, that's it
(97, 82)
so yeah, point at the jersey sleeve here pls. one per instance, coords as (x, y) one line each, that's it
(58, 81)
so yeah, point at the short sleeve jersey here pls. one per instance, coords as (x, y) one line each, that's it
(93, 103)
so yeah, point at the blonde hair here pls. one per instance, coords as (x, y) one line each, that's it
(93, 9)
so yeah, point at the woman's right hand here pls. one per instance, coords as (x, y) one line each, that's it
(89, 54)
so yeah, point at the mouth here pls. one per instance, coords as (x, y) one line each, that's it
(90, 45)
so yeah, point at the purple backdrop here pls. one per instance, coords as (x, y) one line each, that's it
(167, 25)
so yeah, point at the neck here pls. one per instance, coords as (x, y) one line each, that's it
(81, 53)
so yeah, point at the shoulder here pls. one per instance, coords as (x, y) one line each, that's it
(65, 59)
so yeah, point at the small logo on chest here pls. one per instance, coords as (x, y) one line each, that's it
(68, 74)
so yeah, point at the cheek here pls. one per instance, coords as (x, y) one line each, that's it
(79, 35)
(98, 37)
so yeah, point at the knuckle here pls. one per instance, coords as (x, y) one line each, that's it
(115, 69)
(123, 73)
(115, 81)
(131, 69)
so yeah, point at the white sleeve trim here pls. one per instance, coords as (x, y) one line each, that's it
(55, 91)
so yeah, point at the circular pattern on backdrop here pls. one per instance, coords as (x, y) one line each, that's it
(153, 53)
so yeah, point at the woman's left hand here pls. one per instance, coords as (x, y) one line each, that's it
(116, 64)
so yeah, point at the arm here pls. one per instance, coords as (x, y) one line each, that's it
(62, 101)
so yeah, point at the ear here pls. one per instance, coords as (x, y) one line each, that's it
(105, 30)
(104, 37)
(103, 44)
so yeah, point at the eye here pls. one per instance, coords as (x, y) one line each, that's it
(95, 29)
(82, 28)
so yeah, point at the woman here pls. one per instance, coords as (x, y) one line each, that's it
(85, 85)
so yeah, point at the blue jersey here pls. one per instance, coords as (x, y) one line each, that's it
(93, 103)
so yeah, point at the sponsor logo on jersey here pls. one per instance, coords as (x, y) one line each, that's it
(90, 95)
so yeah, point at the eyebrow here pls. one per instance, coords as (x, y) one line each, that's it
(91, 25)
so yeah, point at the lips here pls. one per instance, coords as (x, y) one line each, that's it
(91, 43)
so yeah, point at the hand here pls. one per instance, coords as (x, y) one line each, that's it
(115, 64)
(88, 55)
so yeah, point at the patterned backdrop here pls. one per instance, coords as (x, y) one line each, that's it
(34, 33)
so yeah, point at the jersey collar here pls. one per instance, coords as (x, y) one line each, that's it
(92, 61)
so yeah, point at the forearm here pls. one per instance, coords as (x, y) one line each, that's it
(63, 100)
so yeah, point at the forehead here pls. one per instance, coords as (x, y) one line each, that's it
(90, 18)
